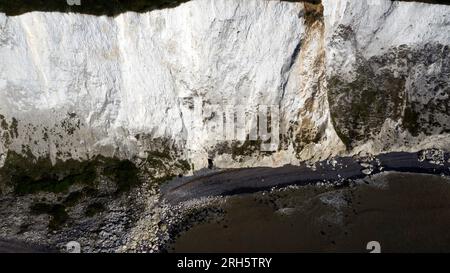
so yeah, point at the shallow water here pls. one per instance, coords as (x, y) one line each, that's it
(403, 212)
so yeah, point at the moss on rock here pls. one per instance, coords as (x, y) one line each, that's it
(30, 175)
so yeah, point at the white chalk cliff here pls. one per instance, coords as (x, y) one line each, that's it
(349, 76)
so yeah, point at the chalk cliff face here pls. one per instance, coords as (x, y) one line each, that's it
(348, 76)
(387, 69)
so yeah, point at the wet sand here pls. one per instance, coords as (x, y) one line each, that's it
(404, 212)
(238, 181)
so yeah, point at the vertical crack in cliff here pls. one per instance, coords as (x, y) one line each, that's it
(308, 127)
(312, 15)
